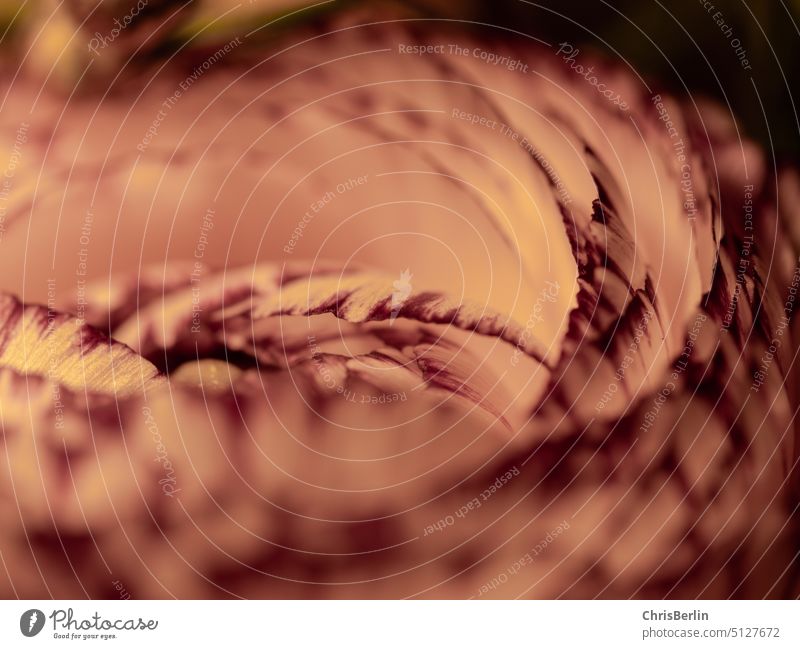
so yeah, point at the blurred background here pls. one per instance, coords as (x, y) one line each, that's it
(743, 54)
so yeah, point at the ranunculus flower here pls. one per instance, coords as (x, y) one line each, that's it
(385, 311)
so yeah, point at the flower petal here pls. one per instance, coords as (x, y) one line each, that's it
(36, 340)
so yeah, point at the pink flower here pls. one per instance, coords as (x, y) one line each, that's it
(227, 391)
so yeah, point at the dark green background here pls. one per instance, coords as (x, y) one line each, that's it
(669, 43)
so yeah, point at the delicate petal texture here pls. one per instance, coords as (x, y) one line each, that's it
(36, 340)
(516, 290)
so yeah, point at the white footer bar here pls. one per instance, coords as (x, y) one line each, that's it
(401, 624)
